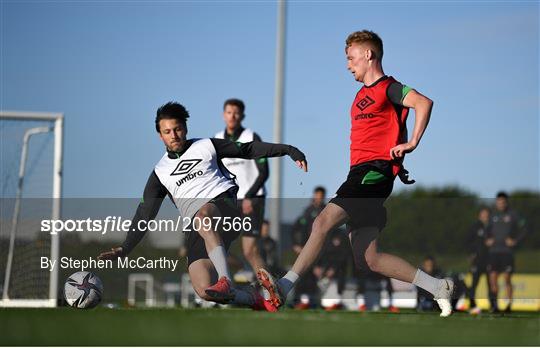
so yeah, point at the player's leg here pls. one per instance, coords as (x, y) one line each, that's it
(493, 290)
(203, 274)
(476, 273)
(330, 217)
(508, 280)
(390, 291)
(488, 284)
(507, 276)
(389, 265)
(347, 205)
(250, 237)
(203, 223)
(202, 266)
(251, 252)
(223, 289)
(369, 258)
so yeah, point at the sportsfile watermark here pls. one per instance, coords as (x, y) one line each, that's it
(119, 224)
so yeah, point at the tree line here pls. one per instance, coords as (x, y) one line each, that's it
(428, 220)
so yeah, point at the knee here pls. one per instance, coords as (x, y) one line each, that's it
(200, 222)
(365, 262)
(372, 262)
(204, 212)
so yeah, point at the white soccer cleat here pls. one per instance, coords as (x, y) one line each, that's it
(475, 311)
(444, 296)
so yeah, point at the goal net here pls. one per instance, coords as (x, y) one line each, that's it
(30, 172)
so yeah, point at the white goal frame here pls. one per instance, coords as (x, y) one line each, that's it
(58, 119)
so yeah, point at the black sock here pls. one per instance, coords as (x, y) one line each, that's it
(473, 303)
(493, 301)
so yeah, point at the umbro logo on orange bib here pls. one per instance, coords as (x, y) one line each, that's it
(365, 102)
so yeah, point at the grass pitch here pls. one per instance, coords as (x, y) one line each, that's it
(101, 326)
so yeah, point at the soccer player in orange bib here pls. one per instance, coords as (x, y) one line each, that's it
(378, 146)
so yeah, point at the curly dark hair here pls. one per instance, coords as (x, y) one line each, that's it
(172, 111)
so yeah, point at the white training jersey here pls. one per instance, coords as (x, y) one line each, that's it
(245, 170)
(194, 178)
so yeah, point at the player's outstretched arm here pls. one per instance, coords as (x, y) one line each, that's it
(422, 106)
(262, 169)
(259, 149)
(154, 192)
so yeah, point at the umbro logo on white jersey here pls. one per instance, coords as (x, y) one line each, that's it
(185, 166)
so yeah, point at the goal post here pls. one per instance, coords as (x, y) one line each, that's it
(17, 131)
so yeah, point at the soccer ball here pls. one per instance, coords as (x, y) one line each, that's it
(83, 290)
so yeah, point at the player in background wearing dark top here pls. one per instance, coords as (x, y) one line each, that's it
(191, 174)
(269, 249)
(476, 243)
(250, 176)
(333, 266)
(506, 231)
(306, 292)
(378, 145)
(372, 280)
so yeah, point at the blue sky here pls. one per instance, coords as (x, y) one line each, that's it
(109, 65)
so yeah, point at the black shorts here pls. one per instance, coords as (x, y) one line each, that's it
(226, 203)
(479, 264)
(501, 263)
(363, 194)
(255, 218)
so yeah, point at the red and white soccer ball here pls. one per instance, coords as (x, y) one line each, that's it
(83, 290)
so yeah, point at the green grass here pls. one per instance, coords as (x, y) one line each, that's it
(67, 326)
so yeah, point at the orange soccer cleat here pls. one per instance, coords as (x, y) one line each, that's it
(221, 292)
(267, 281)
(393, 309)
(261, 304)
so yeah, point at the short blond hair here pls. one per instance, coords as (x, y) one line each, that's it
(369, 37)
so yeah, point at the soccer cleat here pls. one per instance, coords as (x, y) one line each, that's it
(221, 292)
(393, 309)
(475, 311)
(267, 281)
(260, 303)
(443, 296)
(362, 308)
(301, 306)
(334, 307)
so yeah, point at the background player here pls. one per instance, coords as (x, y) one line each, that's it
(191, 174)
(306, 292)
(476, 242)
(378, 145)
(269, 250)
(251, 174)
(506, 230)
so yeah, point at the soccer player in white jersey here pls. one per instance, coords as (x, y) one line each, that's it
(192, 175)
(250, 174)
